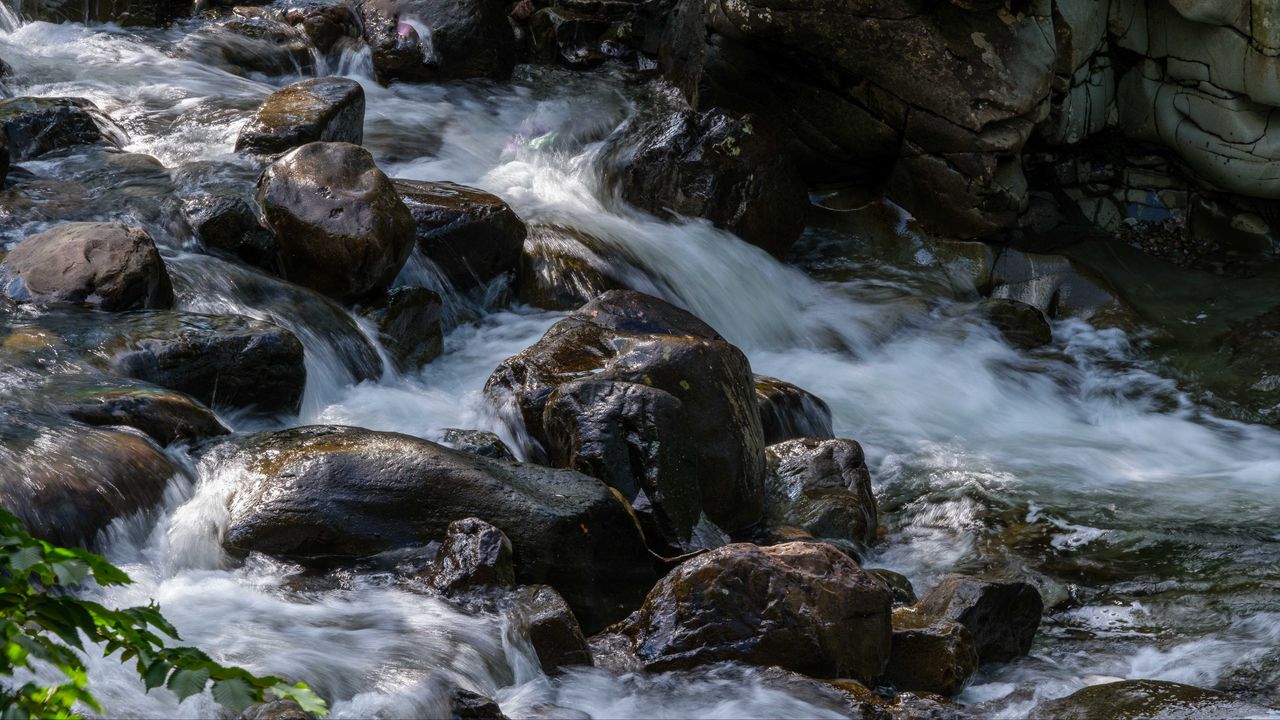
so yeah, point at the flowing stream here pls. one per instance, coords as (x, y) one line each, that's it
(1147, 522)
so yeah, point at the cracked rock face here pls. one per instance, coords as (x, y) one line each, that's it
(936, 103)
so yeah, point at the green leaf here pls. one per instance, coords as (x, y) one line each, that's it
(70, 572)
(26, 558)
(187, 682)
(156, 673)
(235, 694)
(306, 698)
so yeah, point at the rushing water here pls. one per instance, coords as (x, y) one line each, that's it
(1147, 522)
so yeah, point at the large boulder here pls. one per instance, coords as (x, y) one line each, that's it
(562, 268)
(463, 39)
(472, 236)
(714, 165)
(105, 265)
(788, 411)
(803, 606)
(1002, 616)
(327, 109)
(68, 481)
(319, 495)
(33, 126)
(650, 397)
(342, 229)
(934, 100)
(244, 45)
(822, 487)
(1147, 700)
(224, 361)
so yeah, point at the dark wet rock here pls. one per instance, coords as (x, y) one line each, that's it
(469, 39)
(33, 126)
(788, 412)
(408, 322)
(551, 627)
(66, 483)
(105, 265)
(802, 606)
(276, 710)
(327, 109)
(899, 585)
(165, 415)
(822, 486)
(478, 442)
(629, 435)
(472, 236)
(560, 269)
(936, 101)
(224, 361)
(565, 37)
(1252, 352)
(341, 226)
(151, 13)
(713, 165)
(324, 24)
(1002, 616)
(1146, 700)
(1053, 284)
(688, 384)
(466, 705)
(936, 656)
(314, 318)
(1021, 324)
(251, 45)
(334, 494)
(229, 224)
(474, 554)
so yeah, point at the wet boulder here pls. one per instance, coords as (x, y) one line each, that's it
(463, 39)
(327, 109)
(68, 481)
(408, 323)
(929, 656)
(611, 386)
(713, 165)
(1147, 700)
(802, 606)
(244, 45)
(33, 126)
(324, 24)
(341, 226)
(788, 412)
(474, 554)
(561, 268)
(900, 585)
(478, 442)
(823, 487)
(324, 495)
(472, 236)
(553, 631)
(561, 36)
(228, 224)
(224, 361)
(1021, 324)
(165, 415)
(1002, 616)
(104, 265)
(466, 705)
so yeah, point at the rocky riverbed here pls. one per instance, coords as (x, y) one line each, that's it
(611, 359)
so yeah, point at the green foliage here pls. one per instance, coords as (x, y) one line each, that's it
(41, 621)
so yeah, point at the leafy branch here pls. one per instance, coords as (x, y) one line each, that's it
(40, 621)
